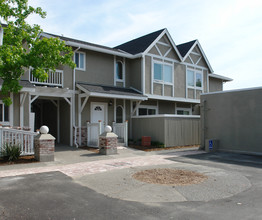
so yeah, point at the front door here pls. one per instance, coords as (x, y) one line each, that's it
(99, 113)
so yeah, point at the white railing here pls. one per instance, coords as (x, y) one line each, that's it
(121, 130)
(25, 139)
(54, 78)
(93, 132)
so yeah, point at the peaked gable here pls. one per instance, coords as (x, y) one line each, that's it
(139, 45)
(164, 48)
(194, 54)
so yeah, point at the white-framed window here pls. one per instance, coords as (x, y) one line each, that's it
(163, 73)
(183, 111)
(4, 113)
(194, 79)
(147, 110)
(119, 74)
(79, 59)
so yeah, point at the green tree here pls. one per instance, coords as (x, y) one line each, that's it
(23, 47)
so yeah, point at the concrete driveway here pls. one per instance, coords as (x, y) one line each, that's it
(233, 190)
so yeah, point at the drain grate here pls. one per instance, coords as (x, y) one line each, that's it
(119, 164)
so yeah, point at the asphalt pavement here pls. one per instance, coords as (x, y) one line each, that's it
(232, 191)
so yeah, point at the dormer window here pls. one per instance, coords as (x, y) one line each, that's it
(79, 59)
(119, 71)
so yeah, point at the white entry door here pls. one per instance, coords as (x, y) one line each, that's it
(99, 113)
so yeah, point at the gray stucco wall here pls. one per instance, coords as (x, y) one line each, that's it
(234, 118)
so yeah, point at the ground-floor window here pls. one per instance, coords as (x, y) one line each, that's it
(4, 113)
(183, 111)
(147, 110)
(119, 114)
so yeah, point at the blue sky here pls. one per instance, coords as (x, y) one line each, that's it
(229, 31)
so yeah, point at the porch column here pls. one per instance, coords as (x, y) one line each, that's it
(22, 101)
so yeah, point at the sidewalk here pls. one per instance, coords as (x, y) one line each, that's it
(79, 162)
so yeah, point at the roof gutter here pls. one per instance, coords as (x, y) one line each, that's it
(216, 76)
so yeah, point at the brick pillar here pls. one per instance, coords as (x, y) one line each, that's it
(108, 142)
(44, 145)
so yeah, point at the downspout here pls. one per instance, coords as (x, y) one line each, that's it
(73, 103)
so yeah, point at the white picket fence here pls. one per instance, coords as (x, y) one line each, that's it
(25, 139)
(121, 130)
(93, 132)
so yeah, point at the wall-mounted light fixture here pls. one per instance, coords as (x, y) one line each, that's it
(110, 103)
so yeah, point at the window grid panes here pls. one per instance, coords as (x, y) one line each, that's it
(119, 70)
(194, 79)
(163, 73)
(80, 60)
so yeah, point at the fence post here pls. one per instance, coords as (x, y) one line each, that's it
(99, 127)
(1, 138)
(126, 133)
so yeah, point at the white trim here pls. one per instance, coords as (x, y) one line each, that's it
(165, 44)
(114, 70)
(79, 68)
(114, 110)
(152, 76)
(143, 75)
(224, 78)
(123, 72)
(165, 59)
(168, 51)
(167, 116)
(192, 52)
(58, 121)
(162, 76)
(195, 88)
(202, 52)
(165, 31)
(158, 50)
(235, 90)
(191, 59)
(173, 99)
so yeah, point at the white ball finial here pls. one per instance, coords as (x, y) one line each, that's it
(44, 129)
(108, 129)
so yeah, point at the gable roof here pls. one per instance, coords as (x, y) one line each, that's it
(139, 45)
(185, 47)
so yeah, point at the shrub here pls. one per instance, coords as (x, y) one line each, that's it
(11, 152)
(157, 144)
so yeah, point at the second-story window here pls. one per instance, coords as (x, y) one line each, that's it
(119, 71)
(194, 79)
(79, 59)
(163, 72)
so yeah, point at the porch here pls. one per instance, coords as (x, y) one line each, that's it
(100, 105)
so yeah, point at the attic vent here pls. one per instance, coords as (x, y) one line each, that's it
(98, 108)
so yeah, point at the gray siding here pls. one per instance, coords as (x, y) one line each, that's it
(234, 118)
(99, 69)
(215, 85)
